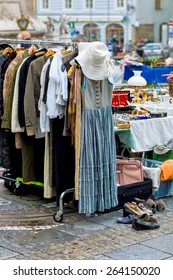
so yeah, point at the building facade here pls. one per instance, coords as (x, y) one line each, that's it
(112, 20)
(153, 18)
(106, 21)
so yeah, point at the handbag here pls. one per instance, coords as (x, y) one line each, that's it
(129, 171)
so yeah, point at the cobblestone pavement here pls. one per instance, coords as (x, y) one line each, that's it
(28, 231)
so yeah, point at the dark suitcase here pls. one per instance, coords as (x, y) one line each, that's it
(128, 192)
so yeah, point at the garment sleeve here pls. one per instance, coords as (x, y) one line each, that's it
(29, 102)
(44, 119)
(15, 126)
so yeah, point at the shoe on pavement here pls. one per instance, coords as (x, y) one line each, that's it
(126, 220)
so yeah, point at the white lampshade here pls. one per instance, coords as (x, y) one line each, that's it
(137, 79)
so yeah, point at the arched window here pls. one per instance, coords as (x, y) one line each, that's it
(92, 32)
(115, 34)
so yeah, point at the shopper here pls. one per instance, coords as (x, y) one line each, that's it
(25, 36)
(129, 47)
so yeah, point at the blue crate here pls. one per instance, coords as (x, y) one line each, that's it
(166, 187)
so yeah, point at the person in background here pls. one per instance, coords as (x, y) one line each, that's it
(79, 38)
(25, 35)
(129, 46)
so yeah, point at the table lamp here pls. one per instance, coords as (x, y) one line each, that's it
(137, 81)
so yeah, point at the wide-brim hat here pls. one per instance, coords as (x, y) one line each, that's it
(161, 149)
(94, 59)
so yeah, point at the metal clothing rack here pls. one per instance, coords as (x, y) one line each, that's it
(58, 216)
(37, 42)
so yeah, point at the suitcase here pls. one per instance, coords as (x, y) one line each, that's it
(129, 171)
(127, 193)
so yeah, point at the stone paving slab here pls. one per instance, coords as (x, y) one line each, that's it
(137, 252)
(171, 258)
(6, 254)
(99, 257)
(90, 246)
(161, 243)
(33, 241)
(83, 228)
(109, 219)
(28, 231)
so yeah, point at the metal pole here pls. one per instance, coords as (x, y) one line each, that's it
(108, 21)
(90, 33)
(36, 42)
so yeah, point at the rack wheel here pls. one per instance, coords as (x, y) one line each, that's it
(58, 217)
(15, 190)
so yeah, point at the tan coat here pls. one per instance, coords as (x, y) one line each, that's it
(32, 94)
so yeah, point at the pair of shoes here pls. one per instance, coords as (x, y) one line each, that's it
(138, 209)
(146, 210)
(159, 205)
(126, 220)
(152, 204)
(145, 222)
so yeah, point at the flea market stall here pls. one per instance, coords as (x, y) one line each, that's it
(144, 122)
(151, 74)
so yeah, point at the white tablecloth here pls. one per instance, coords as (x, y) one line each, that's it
(148, 133)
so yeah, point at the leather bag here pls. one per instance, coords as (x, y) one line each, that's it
(129, 171)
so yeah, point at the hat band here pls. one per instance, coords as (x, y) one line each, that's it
(90, 60)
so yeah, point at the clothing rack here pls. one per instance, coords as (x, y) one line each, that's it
(37, 42)
(58, 216)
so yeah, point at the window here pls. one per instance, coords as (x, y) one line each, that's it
(157, 4)
(120, 3)
(92, 32)
(45, 4)
(89, 4)
(68, 4)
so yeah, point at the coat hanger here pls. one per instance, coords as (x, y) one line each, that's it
(19, 49)
(68, 57)
(65, 52)
(50, 53)
(8, 50)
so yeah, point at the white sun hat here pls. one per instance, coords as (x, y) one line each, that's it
(94, 59)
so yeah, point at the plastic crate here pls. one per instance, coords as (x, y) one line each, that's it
(166, 187)
(168, 155)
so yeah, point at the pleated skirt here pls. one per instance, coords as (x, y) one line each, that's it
(97, 178)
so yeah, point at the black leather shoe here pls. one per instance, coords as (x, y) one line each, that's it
(145, 222)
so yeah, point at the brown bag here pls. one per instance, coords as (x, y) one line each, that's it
(129, 171)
